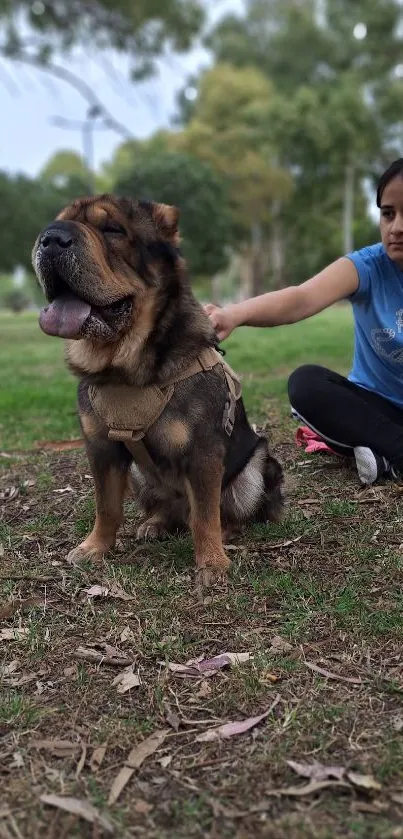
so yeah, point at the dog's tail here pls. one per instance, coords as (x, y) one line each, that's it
(255, 495)
(273, 503)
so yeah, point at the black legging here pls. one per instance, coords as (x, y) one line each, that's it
(346, 415)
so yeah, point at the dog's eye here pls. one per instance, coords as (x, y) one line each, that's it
(111, 229)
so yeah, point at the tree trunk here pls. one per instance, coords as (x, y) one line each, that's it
(277, 248)
(348, 207)
(216, 282)
(245, 276)
(258, 272)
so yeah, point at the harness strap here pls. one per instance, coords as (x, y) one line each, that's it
(151, 402)
(208, 358)
(234, 393)
(136, 446)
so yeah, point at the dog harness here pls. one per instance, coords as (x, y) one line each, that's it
(130, 411)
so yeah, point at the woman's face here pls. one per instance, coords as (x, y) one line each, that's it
(391, 223)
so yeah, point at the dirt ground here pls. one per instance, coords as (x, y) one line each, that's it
(93, 675)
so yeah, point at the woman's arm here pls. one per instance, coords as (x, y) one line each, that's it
(288, 305)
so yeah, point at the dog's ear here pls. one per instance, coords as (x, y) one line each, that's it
(166, 218)
(128, 207)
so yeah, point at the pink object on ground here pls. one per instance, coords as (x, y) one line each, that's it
(311, 441)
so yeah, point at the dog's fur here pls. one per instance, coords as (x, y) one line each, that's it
(122, 258)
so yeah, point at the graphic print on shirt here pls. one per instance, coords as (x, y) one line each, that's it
(381, 341)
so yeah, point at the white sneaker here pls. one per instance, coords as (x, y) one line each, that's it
(370, 466)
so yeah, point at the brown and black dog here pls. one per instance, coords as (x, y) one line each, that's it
(118, 291)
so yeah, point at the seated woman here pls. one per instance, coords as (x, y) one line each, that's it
(362, 414)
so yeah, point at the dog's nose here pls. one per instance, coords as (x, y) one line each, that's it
(56, 236)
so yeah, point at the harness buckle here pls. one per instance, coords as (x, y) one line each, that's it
(228, 420)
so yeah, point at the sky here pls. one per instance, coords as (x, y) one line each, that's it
(30, 99)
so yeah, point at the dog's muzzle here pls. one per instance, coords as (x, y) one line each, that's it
(68, 315)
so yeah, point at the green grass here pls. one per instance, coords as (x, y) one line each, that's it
(39, 394)
(15, 708)
(37, 391)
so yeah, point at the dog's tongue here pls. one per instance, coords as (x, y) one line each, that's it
(65, 316)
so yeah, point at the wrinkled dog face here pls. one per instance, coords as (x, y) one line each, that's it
(92, 264)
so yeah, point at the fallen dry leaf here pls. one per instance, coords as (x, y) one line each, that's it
(268, 676)
(8, 669)
(321, 670)
(126, 680)
(279, 645)
(397, 722)
(127, 634)
(25, 679)
(308, 789)
(135, 759)
(9, 493)
(79, 807)
(369, 807)
(204, 690)
(363, 781)
(58, 748)
(10, 634)
(97, 758)
(96, 591)
(284, 544)
(103, 654)
(18, 760)
(173, 720)
(207, 667)
(117, 591)
(317, 771)
(180, 668)
(397, 797)
(231, 729)
(81, 762)
(266, 804)
(165, 761)
(239, 658)
(142, 807)
(63, 490)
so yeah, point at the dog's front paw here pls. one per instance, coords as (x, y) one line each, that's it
(153, 528)
(211, 569)
(87, 550)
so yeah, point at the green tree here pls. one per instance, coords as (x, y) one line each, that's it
(64, 167)
(132, 153)
(335, 114)
(36, 33)
(292, 44)
(27, 205)
(192, 186)
(140, 29)
(228, 129)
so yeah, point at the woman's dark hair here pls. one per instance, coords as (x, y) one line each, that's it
(395, 168)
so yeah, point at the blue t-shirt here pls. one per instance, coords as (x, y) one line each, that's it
(378, 318)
